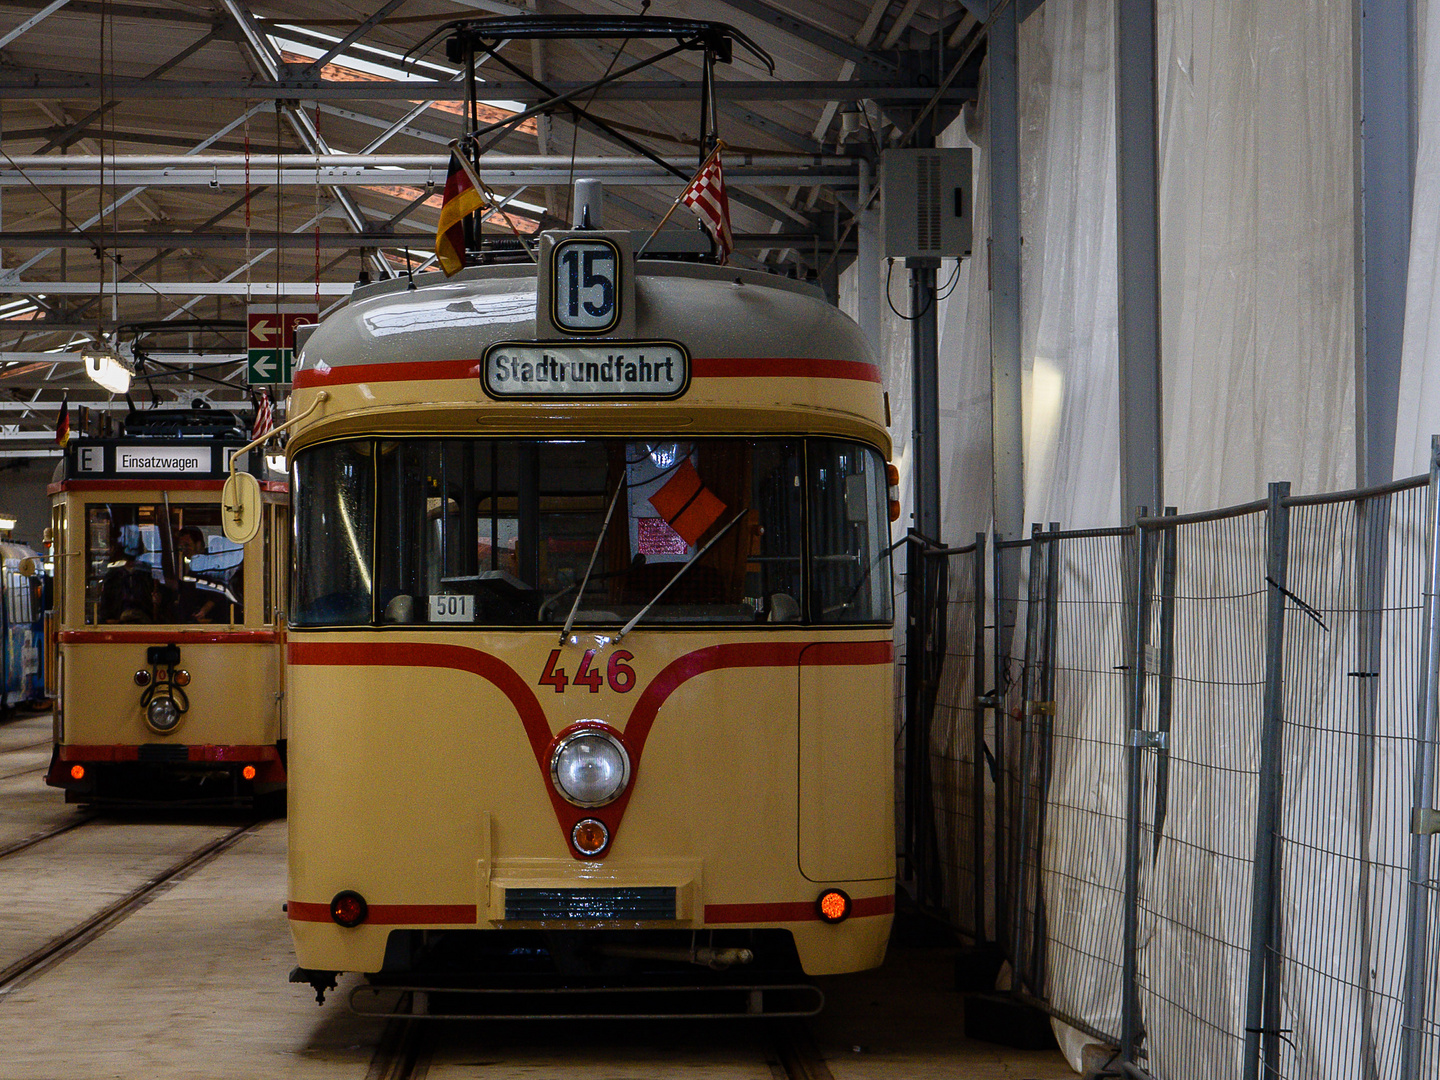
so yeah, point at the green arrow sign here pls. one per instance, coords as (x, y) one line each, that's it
(268, 366)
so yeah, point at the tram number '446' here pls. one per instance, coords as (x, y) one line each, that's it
(618, 673)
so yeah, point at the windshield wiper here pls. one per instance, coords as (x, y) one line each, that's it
(599, 539)
(679, 574)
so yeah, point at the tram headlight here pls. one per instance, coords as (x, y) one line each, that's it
(162, 714)
(590, 767)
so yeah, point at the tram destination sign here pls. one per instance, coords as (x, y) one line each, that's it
(570, 369)
(94, 459)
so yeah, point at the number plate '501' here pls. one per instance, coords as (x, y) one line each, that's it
(618, 673)
(452, 607)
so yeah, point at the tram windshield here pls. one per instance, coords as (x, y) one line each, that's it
(146, 566)
(518, 532)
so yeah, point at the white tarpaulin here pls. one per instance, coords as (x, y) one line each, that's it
(1419, 414)
(1257, 236)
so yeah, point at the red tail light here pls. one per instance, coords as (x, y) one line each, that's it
(349, 908)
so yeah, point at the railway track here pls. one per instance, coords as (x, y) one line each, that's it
(407, 1047)
(27, 770)
(22, 772)
(65, 944)
(45, 834)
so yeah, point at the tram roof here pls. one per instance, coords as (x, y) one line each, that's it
(765, 353)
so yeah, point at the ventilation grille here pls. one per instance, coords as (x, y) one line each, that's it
(639, 904)
(927, 203)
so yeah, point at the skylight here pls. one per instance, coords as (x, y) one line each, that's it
(377, 68)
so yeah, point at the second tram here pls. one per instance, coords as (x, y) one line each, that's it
(171, 686)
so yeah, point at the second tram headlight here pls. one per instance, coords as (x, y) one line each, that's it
(163, 714)
(590, 767)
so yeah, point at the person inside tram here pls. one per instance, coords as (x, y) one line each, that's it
(191, 605)
(128, 590)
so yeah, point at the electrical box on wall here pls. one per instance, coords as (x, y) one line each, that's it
(928, 204)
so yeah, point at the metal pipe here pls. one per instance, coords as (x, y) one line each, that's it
(733, 161)
(704, 956)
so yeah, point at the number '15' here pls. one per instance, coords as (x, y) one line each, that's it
(580, 274)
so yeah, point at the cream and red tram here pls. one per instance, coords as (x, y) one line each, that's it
(170, 670)
(590, 656)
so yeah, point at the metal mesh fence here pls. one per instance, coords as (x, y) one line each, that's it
(1070, 876)
(1352, 666)
(1203, 685)
(1208, 737)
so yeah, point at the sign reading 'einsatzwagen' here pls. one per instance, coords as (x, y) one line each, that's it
(144, 459)
(618, 369)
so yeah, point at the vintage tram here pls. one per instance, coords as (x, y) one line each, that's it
(171, 688)
(590, 651)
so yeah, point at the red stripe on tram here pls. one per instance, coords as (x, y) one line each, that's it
(167, 637)
(399, 654)
(701, 367)
(389, 914)
(782, 367)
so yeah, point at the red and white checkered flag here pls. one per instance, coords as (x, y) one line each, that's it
(264, 416)
(706, 196)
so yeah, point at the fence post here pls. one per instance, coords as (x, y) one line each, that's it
(1169, 552)
(1425, 821)
(1020, 836)
(1130, 976)
(1262, 980)
(1045, 747)
(1002, 650)
(977, 796)
(1373, 516)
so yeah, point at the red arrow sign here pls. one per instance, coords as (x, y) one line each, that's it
(265, 331)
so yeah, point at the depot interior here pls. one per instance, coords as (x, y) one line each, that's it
(1173, 268)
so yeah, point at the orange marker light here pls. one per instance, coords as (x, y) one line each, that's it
(248, 772)
(833, 905)
(77, 772)
(589, 837)
(182, 678)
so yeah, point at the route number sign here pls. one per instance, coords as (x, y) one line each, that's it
(586, 288)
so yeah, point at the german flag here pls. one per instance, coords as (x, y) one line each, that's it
(461, 199)
(62, 425)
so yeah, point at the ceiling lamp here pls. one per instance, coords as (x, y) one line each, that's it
(103, 364)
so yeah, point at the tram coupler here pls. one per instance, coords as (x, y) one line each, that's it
(320, 981)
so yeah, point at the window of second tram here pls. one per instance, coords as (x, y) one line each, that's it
(503, 531)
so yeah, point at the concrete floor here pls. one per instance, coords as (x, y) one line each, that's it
(194, 983)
